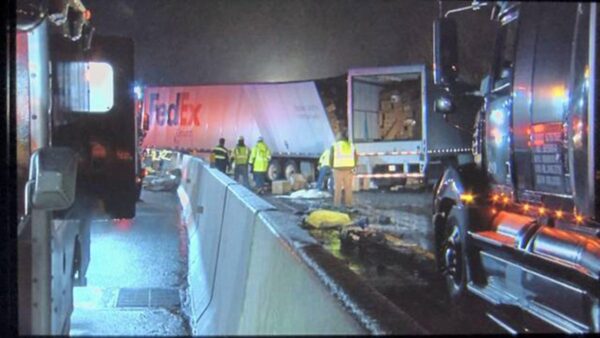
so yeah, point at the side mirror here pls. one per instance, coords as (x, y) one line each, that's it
(53, 173)
(445, 51)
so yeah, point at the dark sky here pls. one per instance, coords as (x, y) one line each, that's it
(232, 41)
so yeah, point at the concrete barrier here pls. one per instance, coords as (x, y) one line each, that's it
(205, 238)
(283, 295)
(252, 271)
(238, 232)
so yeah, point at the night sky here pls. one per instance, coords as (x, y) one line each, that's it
(233, 41)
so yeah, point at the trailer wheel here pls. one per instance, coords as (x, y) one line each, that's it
(274, 170)
(290, 169)
(453, 258)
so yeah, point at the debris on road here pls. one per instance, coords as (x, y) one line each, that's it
(361, 236)
(167, 181)
(311, 193)
(327, 219)
(280, 187)
(298, 181)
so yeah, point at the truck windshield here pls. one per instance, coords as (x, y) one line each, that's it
(386, 107)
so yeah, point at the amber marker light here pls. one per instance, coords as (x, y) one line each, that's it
(578, 219)
(467, 198)
(559, 214)
(495, 197)
(526, 207)
(494, 211)
(505, 200)
(542, 210)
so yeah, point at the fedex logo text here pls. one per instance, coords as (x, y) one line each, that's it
(175, 114)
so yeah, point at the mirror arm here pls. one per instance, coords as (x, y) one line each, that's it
(475, 5)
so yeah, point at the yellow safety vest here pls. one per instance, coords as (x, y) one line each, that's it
(343, 155)
(260, 156)
(165, 155)
(240, 154)
(324, 160)
(154, 155)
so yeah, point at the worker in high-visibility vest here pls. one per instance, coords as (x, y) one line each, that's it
(241, 155)
(259, 160)
(343, 158)
(221, 156)
(155, 158)
(164, 156)
(324, 170)
(154, 155)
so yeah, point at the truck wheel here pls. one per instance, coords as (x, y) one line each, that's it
(452, 255)
(274, 170)
(290, 169)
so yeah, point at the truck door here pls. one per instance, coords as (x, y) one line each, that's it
(499, 103)
(540, 102)
(93, 112)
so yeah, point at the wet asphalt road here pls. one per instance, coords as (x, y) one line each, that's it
(148, 253)
(403, 269)
(129, 258)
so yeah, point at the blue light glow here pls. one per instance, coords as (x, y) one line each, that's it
(138, 92)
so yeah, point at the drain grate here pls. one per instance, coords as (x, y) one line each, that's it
(148, 297)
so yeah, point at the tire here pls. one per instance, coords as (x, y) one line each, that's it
(274, 170)
(452, 255)
(290, 168)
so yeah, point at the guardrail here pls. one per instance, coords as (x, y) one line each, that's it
(252, 272)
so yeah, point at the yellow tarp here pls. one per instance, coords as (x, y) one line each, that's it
(327, 218)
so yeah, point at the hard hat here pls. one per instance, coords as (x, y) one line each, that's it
(260, 138)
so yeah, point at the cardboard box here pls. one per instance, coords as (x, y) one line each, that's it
(330, 108)
(280, 187)
(386, 105)
(297, 182)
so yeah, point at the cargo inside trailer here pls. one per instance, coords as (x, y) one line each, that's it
(387, 107)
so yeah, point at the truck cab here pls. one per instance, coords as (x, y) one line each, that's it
(519, 228)
(75, 148)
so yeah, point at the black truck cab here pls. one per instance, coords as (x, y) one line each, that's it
(520, 228)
